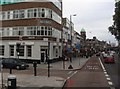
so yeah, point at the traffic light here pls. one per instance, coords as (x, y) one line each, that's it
(18, 47)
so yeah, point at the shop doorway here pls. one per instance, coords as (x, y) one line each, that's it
(43, 56)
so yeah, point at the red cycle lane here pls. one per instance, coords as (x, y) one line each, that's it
(91, 76)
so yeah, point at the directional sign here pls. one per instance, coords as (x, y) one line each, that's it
(78, 46)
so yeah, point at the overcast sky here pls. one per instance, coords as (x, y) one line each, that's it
(95, 16)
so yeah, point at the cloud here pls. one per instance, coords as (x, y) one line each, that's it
(93, 15)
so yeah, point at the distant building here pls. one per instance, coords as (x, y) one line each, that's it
(83, 34)
(33, 24)
(96, 45)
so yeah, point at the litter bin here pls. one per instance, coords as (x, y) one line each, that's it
(11, 82)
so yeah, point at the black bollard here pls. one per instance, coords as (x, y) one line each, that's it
(10, 69)
(35, 66)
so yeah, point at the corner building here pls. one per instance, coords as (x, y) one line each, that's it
(35, 24)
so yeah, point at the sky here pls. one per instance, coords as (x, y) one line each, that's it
(95, 16)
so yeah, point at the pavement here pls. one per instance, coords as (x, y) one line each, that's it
(60, 65)
(28, 81)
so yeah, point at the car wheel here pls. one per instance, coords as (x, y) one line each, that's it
(17, 67)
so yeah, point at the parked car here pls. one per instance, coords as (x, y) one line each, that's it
(112, 53)
(109, 59)
(14, 64)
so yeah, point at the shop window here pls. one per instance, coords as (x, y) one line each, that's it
(21, 51)
(29, 51)
(11, 50)
(2, 50)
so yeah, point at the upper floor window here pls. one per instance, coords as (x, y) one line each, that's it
(35, 12)
(15, 14)
(7, 31)
(21, 14)
(21, 31)
(30, 13)
(30, 31)
(15, 31)
(8, 15)
(42, 30)
(3, 15)
(43, 13)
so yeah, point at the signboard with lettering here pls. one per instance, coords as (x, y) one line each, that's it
(45, 21)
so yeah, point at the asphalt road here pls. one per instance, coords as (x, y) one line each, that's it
(114, 72)
(91, 76)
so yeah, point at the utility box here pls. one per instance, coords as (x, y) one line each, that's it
(11, 82)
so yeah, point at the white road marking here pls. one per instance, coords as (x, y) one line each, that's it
(68, 78)
(71, 75)
(105, 72)
(96, 68)
(108, 78)
(106, 75)
(110, 83)
(69, 72)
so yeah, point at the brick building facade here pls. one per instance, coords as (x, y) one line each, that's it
(34, 25)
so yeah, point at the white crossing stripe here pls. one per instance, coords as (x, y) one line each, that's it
(70, 72)
(106, 75)
(108, 79)
(110, 83)
(105, 72)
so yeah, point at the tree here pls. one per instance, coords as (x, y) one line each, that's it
(115, 28)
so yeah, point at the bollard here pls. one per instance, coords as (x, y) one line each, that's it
(35, 65)
(11, 83)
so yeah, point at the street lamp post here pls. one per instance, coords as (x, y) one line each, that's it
(70, 66)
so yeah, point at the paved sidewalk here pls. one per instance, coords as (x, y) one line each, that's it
(76, 64)
(24, 80)
(39, 82)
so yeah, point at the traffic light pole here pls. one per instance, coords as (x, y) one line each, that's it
(18, 49)
(48, 59)
(18, 55)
